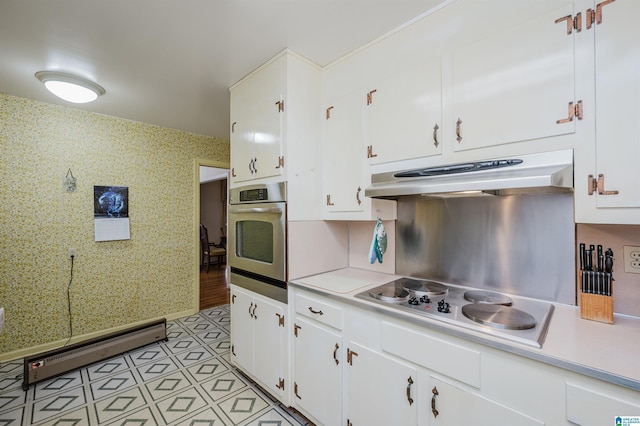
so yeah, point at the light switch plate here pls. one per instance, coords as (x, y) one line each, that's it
(632, 259)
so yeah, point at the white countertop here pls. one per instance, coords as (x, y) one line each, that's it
(605, 351)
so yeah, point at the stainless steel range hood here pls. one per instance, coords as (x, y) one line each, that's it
(530, 173)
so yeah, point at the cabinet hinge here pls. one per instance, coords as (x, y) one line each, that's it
(280, 384)
(280, 105)
(370, 97)
(350, 355)
(280, 162)
(328, 112)
(295, 390)
(574, 111)
(597, 185)
(573, 23)
(280, 320)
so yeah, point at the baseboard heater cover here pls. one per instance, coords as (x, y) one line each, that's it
(53, 363)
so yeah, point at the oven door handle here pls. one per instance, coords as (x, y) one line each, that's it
(274, 210)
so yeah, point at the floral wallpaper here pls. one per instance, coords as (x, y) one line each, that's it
(113, 283)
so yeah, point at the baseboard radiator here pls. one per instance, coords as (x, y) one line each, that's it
(46, 365)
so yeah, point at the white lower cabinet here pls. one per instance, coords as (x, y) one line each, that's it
(452, 405)
(357, 367)
(258, 339)
(318, 361)
(381, 389)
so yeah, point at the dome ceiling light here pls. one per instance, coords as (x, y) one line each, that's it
(69, 87)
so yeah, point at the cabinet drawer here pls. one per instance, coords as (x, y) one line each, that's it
(434, 354)
(319, 311)
(590, 407)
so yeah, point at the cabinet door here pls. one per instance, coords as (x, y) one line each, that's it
(241, 136)
(242, 306)
(343, 157)
(617, 62)
(404, 114)
(257, 121)
(381, 390)
(455, 406)
(516, 85)
(268, 117)
(318, 362)
(270, 349)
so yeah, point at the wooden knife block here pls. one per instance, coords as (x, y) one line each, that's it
(596, 307)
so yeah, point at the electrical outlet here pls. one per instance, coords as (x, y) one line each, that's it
(72, 253)
(632, 259)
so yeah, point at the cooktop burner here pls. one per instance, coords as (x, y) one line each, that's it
(514, 318)
(390, 293)
(423, 288)
(488, 297)
(499, 316)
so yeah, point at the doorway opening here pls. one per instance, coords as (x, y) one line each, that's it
(211, 211)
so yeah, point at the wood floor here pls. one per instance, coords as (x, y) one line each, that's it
(213, 288)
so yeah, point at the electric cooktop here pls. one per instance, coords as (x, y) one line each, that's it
(514, 318)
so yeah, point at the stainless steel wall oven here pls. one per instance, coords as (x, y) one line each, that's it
(257, 244)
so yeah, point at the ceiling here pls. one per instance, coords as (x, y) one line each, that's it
(171, 62)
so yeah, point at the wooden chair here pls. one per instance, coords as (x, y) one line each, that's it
(210, 250)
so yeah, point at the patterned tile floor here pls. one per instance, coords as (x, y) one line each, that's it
(185, 381)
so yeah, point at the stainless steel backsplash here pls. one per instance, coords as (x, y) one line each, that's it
(519, 244)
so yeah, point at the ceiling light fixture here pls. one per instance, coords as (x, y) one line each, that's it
(70, 87)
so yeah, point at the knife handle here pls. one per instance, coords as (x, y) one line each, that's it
(582, 249)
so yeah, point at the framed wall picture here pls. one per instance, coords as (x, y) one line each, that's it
(111, 213)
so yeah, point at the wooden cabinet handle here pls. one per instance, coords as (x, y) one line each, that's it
(458, 136)
(296, 327)
(435, 393)
(233, 126)
(315, 312)
(335, 353)
(435, 135)
(329, 203)
(410, 380)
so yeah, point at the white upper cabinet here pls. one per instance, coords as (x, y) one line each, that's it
(607, 172)
(257, 107)
(275, 131)
(344, 186)
(403, 114)
(617, 59)
(518, 83)
(345, 174)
